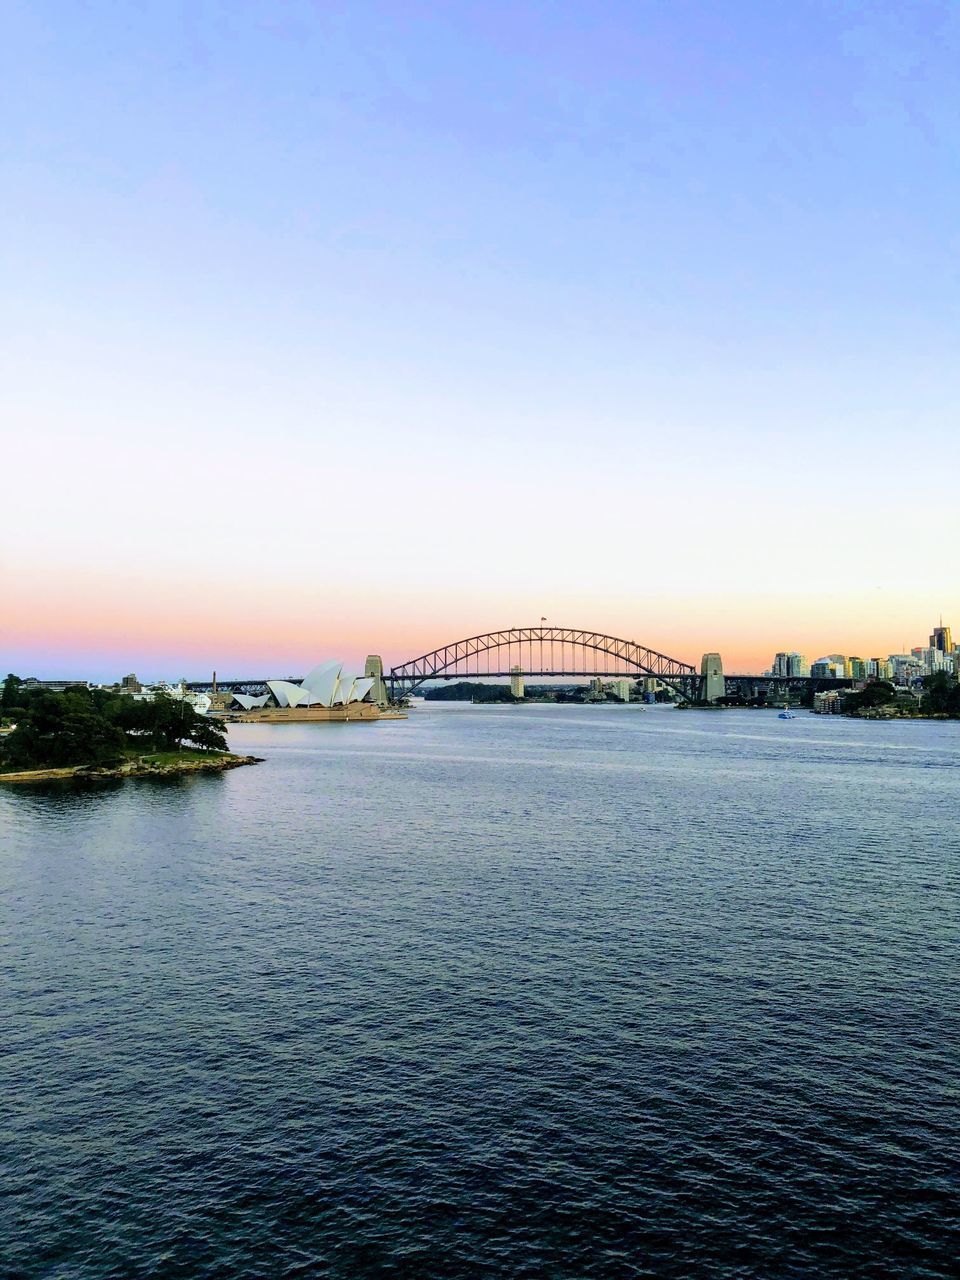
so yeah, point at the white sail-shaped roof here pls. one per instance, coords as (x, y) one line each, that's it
(327, 685)
(279, 690)
(362, 687)
(316, 678)
(322, 683)
(345, 687)
(287, 694)
(248, 702)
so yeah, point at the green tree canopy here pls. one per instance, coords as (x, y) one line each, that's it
(941, 694)
(878, 693)
(10, 694)
(84, 726)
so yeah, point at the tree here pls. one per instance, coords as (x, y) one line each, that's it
(207, 734)
(170, 722)
(876, 694)
(57, 730)
(941, 695)
(10, 695)
(82, 726)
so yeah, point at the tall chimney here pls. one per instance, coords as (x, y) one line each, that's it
(214, 682)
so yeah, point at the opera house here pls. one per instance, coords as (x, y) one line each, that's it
(325, 693)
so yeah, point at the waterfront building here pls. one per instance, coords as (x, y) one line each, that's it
(516, 682)
(829, 702)
(621, 690)
(596, 691)
(327, 687)
(202, 703)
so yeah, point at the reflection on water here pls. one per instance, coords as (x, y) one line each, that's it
(538, 992)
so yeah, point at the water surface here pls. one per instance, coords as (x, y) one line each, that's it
(500, 992)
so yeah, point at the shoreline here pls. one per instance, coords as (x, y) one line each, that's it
(142, 767)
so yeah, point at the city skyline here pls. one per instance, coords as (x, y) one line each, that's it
(352, 330)
(98, 666)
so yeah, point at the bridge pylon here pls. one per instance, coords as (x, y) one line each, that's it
(712, 683)
(374, 668)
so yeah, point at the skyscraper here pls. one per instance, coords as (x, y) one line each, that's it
(942, 639)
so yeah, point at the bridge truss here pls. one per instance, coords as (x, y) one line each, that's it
(542, 651)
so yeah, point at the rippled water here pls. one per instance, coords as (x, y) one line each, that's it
(534, 992)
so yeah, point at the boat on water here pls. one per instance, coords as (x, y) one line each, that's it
(787, 714)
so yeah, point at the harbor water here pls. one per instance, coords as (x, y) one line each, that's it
(491, 992)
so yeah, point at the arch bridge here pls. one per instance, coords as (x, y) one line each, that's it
(542, 651)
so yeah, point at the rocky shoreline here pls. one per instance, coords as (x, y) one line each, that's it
(142, 767)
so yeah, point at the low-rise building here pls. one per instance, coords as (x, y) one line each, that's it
(829, 702)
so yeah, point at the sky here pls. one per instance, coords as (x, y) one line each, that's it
(339, 328)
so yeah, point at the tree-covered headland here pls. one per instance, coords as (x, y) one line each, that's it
(940, 697)
(96, 727)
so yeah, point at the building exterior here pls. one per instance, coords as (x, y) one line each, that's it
(516, 682)
(941, 638)
(54, 686)
(932, 660)
(621, 690)
(907, 669)
(829, 702)
(790, 664)
(325, 693)
(130, 684)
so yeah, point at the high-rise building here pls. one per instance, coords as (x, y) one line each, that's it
(941, 638)
(790, 664)
(516, 682)
(841, 662)
(907, 667)
(934, 660)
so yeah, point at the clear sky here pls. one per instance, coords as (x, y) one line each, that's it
(334, 328)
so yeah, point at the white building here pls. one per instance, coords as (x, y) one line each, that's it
(327, 685)
(178, 692)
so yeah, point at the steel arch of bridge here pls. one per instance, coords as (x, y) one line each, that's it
(636, 658)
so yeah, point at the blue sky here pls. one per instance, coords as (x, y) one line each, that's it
(610, 310)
